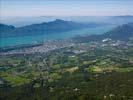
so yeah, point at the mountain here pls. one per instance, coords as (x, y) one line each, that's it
(115, 20)
(122, 19)
(123, 32)
(6, 28)
(24, 21)
(56, 26)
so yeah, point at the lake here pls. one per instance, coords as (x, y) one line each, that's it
(13, 41)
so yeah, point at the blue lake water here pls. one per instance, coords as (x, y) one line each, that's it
(12, 41)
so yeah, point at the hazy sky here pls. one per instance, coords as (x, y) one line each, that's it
(65, 7)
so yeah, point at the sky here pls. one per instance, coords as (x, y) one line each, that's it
(65, 7)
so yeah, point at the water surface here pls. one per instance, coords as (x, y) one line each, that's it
(13, 41)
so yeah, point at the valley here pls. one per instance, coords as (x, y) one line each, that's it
(96, 67)
(66, 49)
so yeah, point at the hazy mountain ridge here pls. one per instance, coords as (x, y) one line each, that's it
(24, 21)
(46, 28)
(5, 28)
(123, 32)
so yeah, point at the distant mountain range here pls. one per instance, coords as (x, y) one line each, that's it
(23, 21)
(6, 28)
(123, 32)
(56, 26)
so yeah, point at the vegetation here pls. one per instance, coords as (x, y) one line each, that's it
(80, 72)
(84, 71)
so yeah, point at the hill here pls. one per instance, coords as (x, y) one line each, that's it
(46, 28)
(123, 32)
(6, 28)
(24, 21)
